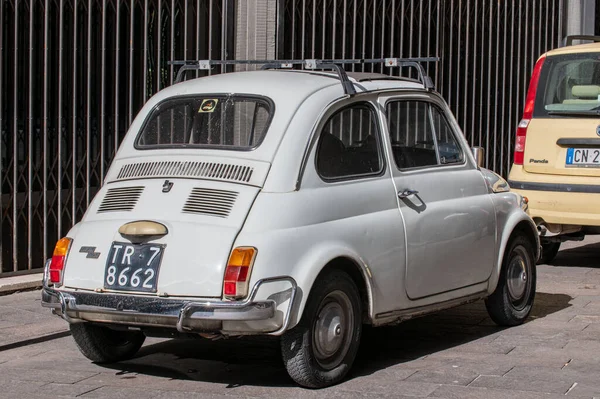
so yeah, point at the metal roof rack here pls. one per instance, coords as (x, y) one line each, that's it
(312, 64)
(569, 39)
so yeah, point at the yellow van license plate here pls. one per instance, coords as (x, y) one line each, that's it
(583, 157)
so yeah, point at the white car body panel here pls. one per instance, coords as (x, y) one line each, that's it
(197, 246)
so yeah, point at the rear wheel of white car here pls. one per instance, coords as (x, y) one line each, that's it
(511, 302)
(104, 345)
(320, 350)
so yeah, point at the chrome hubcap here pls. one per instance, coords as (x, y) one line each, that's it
(333, 329)
(517, 276)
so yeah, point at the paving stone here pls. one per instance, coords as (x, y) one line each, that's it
(13, 387)
(584, 390)
(70, 390)
(461, 392)
(120, 393)
(565, 374)
(585, 366)
(521, 384)
(52, 375)
(540, 356)
(189, 395)
(454, 376)
(553, 341)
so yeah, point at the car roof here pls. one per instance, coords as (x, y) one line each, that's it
(579, 48)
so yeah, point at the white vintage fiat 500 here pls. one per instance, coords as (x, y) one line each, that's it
(300, 204)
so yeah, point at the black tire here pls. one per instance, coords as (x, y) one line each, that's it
(104, 345)
(511, 302)
(549, 251)
(320, 350)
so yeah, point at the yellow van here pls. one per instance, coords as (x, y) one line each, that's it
(557, 148)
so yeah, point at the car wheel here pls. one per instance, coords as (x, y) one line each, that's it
(549, 251)
(104, 345)
(511, 302)
(320, 350)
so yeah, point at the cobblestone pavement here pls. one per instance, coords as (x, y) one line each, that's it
(457, 353)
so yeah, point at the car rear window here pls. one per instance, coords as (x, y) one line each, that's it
(232, 122)
(569, 84)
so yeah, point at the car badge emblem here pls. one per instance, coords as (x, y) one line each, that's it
(91, 252)
(598, 130)
(167, 185)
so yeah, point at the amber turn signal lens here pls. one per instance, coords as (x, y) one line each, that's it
(242, 256)
(57, 264)
(62, 247)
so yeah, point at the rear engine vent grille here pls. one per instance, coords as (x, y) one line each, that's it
(209, 170)
(210, 202)
(120, 199)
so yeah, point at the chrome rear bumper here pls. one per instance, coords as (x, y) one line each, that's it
(184, 315)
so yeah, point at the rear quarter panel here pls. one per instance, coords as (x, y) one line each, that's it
(298, 233)
(510, 216)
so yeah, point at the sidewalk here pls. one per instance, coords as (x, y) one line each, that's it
(9, 285)
(23, 321)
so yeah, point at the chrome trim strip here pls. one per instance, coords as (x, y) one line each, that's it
(180, 311)
(555, 187)
(582, 142)
(191, 308)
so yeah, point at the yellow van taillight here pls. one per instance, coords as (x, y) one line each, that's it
(519, 154)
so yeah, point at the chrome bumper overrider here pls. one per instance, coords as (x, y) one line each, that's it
(185, 315)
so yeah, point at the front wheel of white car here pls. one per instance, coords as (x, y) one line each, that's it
(511, 302)
(320, 350)
(105, 345)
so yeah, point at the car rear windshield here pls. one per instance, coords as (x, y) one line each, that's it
(233, 122)
(569, 85)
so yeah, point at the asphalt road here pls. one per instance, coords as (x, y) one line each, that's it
(457, 353)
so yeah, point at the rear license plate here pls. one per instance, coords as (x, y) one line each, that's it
(583, 157)
(133, 267)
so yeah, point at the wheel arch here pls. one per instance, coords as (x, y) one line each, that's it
(356, 273)
(356, 269)
(516, 225)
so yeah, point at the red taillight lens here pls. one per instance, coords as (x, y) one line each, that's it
(520, 142)
(235, 282)
(527, 112)
(57, 264)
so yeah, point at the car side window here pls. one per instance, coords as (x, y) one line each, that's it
(448, 148)
(420, 135)
(349, 144)
(411, 134)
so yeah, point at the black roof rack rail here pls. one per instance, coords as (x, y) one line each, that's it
(569, 39)
(335, 65)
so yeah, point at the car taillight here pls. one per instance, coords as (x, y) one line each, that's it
(527, 112)
(237, 273)
(57, 264)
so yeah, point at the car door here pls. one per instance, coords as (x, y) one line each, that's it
(448, 214)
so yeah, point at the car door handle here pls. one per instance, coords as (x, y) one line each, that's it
(406, 193)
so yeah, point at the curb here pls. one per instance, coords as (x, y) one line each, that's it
(10, 285)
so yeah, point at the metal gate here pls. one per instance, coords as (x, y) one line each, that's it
(487, 51)
(73, 74)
